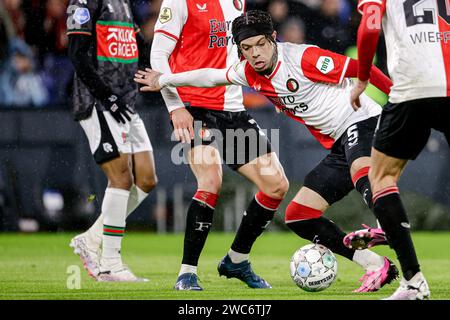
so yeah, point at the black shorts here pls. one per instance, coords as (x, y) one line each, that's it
(236, 135)
(405, 127)
(331, 178)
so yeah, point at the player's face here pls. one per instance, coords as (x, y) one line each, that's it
(259, 52)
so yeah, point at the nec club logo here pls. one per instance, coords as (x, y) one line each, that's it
(116, 42)
(237, 4)
(292, 85)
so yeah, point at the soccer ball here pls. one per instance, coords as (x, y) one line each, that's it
(313, 267)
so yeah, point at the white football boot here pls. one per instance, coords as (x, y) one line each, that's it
(414, 289)
(118, 273)
(89, 253)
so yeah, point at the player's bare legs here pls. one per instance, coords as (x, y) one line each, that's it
(268, 175)
(304, 216)
(120, 171)
(388, 208)
(205, 163)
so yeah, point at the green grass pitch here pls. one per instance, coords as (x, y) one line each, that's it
(35, 267)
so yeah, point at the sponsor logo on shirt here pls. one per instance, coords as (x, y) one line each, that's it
(218, 34)
(116, 41)
(202, 7)
(165, 15)
(325, 64)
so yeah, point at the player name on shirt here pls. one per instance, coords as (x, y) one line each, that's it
(430, 37)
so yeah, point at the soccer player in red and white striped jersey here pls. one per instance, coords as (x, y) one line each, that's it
(311, 86)
(417, 35)
(197, 34)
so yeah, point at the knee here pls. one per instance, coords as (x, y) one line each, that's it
(210, 183)
(122, 180)
(279, 186)
(379, 180)
(147, 183)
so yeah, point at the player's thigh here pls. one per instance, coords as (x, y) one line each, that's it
(385, 170)
(330, 178)
(403, 129)
(311, 199)
(244, 141)
(206, 165)
(267, 173)
(441, 116)
(357, 144)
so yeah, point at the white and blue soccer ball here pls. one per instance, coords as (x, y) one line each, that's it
(313, 267)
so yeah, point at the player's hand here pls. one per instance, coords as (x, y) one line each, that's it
(149, 78)
(183, 125)
(118, 109)
(356, 92)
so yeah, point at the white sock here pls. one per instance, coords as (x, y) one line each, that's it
(95, 232)
(186, 268)
(367, 259)
(114, 208)
(237, 257)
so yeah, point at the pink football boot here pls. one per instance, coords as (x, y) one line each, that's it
(365, 238)
(373, 280)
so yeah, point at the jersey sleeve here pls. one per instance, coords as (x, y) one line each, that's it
(319, 65)
(236, 74)
(80, 16)
(361, 4)
(171, 19)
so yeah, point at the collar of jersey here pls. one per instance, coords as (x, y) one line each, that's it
(274, 72)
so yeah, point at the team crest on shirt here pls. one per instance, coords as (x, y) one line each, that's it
(237, 4)
(292, 85)
(325, 64)
(165, 15)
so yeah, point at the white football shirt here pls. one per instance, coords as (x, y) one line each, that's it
(417, 35)
(309, 85)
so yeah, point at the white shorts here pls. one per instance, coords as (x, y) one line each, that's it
(108, 138)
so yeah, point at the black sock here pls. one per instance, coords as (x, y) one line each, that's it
(363, 187)
(392, 216)
(198, 223)
(323, 231)
(255, 220)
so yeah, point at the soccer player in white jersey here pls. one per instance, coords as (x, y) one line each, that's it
(417, 35)
(190, 35)
(311, 86)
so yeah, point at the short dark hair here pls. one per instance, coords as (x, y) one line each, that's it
(250, 24)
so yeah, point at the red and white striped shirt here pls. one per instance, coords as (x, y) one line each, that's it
(309, 85)
(417, 35)
(202, 32)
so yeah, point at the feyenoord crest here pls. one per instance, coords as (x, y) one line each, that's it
(237, 4)
(292, 85)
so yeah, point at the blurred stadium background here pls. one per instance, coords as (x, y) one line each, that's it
(49, 181)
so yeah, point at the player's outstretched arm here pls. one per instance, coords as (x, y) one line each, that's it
(203, 78)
